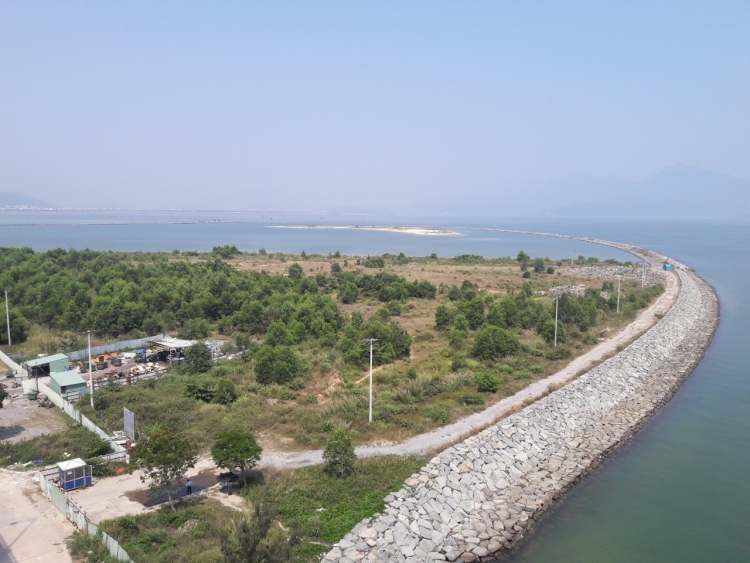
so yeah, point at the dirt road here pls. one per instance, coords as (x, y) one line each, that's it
(31, 528)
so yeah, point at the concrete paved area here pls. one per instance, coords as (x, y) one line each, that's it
(31, 528)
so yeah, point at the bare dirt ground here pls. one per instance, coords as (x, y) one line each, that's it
(31, 528)
(21, 419)
(126, 494)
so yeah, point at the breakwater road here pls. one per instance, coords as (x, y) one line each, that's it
(479, 497)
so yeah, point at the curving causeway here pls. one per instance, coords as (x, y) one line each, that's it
(478, 498)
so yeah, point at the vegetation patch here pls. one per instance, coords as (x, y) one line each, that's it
(321, 508)
(52, 448)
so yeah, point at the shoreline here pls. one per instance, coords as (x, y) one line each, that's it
(478, 499)
(405, 230)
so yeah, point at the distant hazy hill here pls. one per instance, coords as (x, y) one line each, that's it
(681, 191)
(14, 199)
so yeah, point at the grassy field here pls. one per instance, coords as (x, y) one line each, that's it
(193, 533)
(321, 509)
(50, 448)
(412, 396)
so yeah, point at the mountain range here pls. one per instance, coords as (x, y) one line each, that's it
(15, 200)
(681, 191)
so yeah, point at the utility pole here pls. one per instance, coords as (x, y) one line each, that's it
(643, 274)
(557, 302)
(91, 375)
(571, 258)
(7, 316)
(370, 340)
(618, 293)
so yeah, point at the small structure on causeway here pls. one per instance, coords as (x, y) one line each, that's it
(74, 474)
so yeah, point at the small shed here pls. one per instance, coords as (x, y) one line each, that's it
(74, 474)
(169, 349)
(67, 382)
(41, 367)
(668, 267)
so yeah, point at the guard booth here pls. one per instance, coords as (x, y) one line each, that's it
(74, 474)
(41, 367)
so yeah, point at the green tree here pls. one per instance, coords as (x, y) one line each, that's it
(457, 339)
(250, 538)
(493, 343)
(197, 358)
(236, 449)
(348, 293)
(296, 272)
(474, 312)
(225, 393)
(339, 454)
(546, 329)
(443, 318)
(70, 343)
(164, 459)
(19, 327)
(277, 334)
(523, 260)
(277, 364)
(3, 395)
(487, 383)
(539, 265)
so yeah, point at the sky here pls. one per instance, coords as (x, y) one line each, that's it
(308, 105)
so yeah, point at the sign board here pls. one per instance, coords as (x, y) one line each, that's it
(129, 420)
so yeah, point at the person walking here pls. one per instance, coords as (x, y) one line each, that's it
(189, 487)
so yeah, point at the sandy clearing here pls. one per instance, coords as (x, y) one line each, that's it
(31, 528)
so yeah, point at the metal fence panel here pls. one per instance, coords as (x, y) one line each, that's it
(77, 516)
(113, 347)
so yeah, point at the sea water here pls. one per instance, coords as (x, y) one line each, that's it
(679, 492)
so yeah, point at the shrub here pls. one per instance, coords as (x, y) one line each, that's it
(197, 358)
(472, 399)
(440, 416)
(526, 274)
(225, 394)
(558, 353)
(200, 391)
(277, 364)
(458, 363)
(339, 454)
(487, 383)
(374, 262)
(493, 343)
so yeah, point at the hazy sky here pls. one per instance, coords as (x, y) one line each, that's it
(312, 104)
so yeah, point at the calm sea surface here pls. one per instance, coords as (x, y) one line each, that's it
(679, 492)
